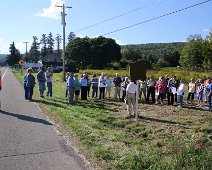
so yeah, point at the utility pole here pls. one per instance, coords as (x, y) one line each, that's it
(63, 15)
(26, 42)
(26, 45)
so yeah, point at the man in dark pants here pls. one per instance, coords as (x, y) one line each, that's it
(172, 90)
(151, 83)
(30, 84)
(84, 87)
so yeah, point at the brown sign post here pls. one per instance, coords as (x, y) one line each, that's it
(137, 72)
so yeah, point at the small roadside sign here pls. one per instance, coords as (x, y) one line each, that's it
(21, 62)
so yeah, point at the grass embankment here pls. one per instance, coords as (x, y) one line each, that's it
(164, 137)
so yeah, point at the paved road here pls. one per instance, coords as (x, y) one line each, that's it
(27, 140)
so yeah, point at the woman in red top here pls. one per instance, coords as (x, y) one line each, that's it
(161, 89)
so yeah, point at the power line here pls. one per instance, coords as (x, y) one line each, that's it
(155, 18)
(120, 15)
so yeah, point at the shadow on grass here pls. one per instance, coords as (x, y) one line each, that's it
(47, 102)
(26, 118)
(95, 105)
(160, 121)
(195, 108)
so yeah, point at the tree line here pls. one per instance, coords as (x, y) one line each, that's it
(39, 49)
(101, 52)
(197, 53)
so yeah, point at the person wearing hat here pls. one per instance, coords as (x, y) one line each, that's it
(49, 75)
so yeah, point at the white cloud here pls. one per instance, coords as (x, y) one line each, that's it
(4, 46)
(119, 42)
(206, 30)
(52, 11)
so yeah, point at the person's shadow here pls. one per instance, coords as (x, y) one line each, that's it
(26, 118)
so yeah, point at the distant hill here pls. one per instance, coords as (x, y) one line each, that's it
(3, 59)
(156, 49)
(152, 52)
(3, 56)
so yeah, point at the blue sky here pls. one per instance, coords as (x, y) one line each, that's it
(22, 19)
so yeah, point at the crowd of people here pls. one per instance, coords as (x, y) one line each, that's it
(43, 77)
(174, 90)
(123, 89)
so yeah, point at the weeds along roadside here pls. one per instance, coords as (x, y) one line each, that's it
(114, 141)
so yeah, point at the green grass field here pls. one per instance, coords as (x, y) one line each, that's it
(164, 137)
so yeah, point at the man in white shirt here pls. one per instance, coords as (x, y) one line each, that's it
(131, 90)
(102, 85)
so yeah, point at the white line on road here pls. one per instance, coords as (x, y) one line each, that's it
(4, 74)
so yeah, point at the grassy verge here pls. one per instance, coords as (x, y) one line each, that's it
(164, 137)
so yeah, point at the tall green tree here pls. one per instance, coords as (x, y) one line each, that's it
(71, 36)
(58, 40)
(14, 56)
(34, 53)
(192, 53)
(207, 51)
(93, 52)
(43, 43)
(50, 43)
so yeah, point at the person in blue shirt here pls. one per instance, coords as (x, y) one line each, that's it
(71, 84)
(208, 93)
(30, 84)
(41, 81)
(24, 83)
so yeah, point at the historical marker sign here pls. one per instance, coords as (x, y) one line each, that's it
(138, 71)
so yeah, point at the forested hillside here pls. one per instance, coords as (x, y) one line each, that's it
(154, 54)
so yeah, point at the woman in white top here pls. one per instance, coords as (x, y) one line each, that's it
(191, 91)
(108, 86)
(180, 93)
(102, 85)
